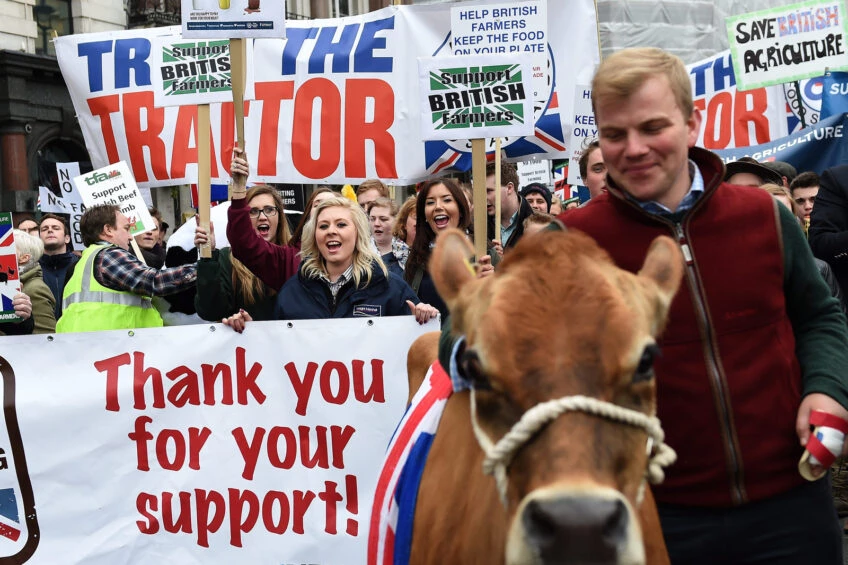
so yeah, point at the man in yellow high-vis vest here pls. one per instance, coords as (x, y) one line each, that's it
(110, 288)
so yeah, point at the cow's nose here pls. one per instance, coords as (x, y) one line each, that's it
(584, 529)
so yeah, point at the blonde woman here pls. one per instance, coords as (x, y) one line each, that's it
(341, 275)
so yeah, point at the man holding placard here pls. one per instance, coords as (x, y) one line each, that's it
(110, 288)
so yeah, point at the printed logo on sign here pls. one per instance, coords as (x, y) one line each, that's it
(368, 310)
(95, 178)
(481, 96)
(197, 67)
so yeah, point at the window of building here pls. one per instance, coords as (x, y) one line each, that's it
(50, 16)
(341, 8)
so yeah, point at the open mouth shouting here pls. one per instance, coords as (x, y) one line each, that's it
(441, 221)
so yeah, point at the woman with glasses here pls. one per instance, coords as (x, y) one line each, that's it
(341, 275)
(224, 284)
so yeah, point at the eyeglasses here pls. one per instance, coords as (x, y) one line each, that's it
(269, 212)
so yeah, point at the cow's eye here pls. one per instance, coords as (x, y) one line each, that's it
(471, 367)
(645, 369)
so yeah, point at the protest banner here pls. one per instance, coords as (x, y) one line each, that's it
(585, 130)
(217, 448)
(114, 184)
(336, 103)
(834, 97)
(233, 18)
(732, 117)
(814, 148)
(10, 283)
(788, 43)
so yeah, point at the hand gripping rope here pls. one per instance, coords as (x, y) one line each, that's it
(500, 455)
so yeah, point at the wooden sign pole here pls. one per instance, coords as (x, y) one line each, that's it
(238, 54)
(204, 195)
(498, 190)
(478, 185)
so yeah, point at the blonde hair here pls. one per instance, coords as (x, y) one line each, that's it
(28, 244)
(780, 190)
(364, 255)
(623, 73)
(251, 287)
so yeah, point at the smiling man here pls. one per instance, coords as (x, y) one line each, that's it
(110, 288)
(753, 321)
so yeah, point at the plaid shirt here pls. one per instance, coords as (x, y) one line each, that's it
(340, 282)
(119, 269)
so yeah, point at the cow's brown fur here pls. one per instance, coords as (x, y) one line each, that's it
(558, 319)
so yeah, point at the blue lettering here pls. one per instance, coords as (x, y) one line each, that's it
(340, 50)
(94, 52)
(363, 59)
(295, 38)
(723, 69)
(132, 54)
(700, 79)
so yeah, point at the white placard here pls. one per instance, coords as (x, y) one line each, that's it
(114, 184)
(583, 131)
(476, 96)
(535, 171)
(233, 18)
(519, 27)
(788, 43)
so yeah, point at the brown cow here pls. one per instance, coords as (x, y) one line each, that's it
(558, 322)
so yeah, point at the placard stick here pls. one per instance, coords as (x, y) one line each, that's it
(478, 185)
(204, 188)
(238, 54)
(498, 190)
(138, 254)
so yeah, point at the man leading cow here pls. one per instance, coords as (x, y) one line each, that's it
(754, 343)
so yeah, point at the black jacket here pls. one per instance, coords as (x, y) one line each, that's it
(829, 223)
(524, 210)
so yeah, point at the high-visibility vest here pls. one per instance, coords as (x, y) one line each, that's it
(88, 306)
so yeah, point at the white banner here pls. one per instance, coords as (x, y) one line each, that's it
(336, 102)
(114, 184)
(197, 445)
(788, 43)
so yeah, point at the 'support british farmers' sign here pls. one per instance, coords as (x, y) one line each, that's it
(188, 72)
(217, 448)
(336, 102)
(788, 43)
(476, 96)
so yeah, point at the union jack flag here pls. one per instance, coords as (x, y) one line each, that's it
(390, 526)
(10, 522)
(9, 283)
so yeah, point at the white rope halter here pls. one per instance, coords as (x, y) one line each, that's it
(500, 455)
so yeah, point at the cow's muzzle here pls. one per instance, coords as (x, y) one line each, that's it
(585, 527)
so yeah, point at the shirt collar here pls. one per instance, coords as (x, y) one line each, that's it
(696, 189)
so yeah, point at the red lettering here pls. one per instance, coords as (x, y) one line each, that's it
(140, 376)
(249, 451)
(302, 500)
(289, 449)
(228, 126)
(375, 393)
(183, 522)
(719, 115)
(352, 504)
(183, 151)
(271, 94)
(144, 135)
(280, 526)
(339, 438)
(358, 131)
(302, 387)
(757, 99)
(238, 526)
(331, 497)
(327, 370)
(329, 135)
(175, 437)
(111, 366)
(205, 523)
(103, 107)
(185, 390)
(320, 458)
(142, 502)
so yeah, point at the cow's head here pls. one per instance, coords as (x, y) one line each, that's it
(560, 323)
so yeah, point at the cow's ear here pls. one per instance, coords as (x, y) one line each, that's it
(449, 265)
(664, 265)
